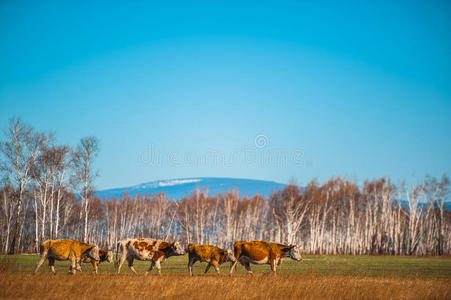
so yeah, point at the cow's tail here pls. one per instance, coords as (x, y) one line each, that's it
(41, 248)
(236, 252)
(187, 248)
(44, 247)
(119, 247)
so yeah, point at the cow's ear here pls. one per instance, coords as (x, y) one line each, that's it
(286, 249)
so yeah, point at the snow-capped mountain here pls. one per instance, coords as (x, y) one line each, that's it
(178, 188)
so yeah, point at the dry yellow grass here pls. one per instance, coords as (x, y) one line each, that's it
(318, 277)
(260, 286)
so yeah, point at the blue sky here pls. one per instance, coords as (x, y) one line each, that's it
(263, 90)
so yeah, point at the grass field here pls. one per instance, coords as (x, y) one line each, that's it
(317, 277)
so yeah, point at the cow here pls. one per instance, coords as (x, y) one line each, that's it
(104, 255)
(156, 251)
(66, 250)
(261, 252)
(213, 255)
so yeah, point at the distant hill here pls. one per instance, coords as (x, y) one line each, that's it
(178, 188)
(181, 187)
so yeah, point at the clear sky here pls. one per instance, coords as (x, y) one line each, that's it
(274, 90)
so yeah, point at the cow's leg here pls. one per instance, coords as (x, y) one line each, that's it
(121, 262)
(130, 264)
(190, 265)
(52, 265)
(232, 265)
(216, 265)
(77, 263)
(150, 268)
(73, 261)
(157, 264)
(40, 262)
(207, 268)
(79, 267)
(247, 265)
(94, 265)
(273, 266)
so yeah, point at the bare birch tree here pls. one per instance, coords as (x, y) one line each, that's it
(62, 162)
(20, 150)
(85, 175)
(7, 216)
(289, 209)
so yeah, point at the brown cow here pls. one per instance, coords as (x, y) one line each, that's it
(261, 252)
(104, 255)
(213, 255)
(156, 251)
(66, 250)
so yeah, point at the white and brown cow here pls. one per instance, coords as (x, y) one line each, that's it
(213, 255)
(261, 252)
(156, 251)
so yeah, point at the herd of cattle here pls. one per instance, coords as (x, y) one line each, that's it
(157, 251)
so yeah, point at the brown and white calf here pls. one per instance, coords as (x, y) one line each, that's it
(66, 250)
(261, 252)
(213, 255)
(104, 255)
(156, 251)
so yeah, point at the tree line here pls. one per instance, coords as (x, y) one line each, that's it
(47, 191)
(39, 177)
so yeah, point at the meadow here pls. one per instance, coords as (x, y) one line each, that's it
(316, 277)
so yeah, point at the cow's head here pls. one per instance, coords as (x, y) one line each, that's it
(177, 248)
(230, 256)
(109, 256)
(293, 251)
(226, 256)
(93, 253)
